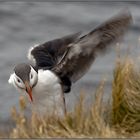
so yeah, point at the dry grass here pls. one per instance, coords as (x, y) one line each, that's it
(123, 113)
(80, 123)
(126, 97)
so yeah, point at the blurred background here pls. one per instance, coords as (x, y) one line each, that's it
(24, 24)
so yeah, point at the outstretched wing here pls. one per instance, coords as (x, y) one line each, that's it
(48, 54)
(82, 53)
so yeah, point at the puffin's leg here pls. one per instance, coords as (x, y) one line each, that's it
(66, 84)
(64, 103)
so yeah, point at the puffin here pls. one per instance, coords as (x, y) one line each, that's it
(54, 66)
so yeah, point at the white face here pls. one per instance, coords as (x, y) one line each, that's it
(19, 84)
(33, 78)
(15, 80)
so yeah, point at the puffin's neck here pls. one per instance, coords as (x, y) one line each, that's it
(47, 93)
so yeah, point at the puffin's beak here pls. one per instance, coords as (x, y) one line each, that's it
(29, 90)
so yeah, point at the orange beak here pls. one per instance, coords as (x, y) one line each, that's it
(29, 90)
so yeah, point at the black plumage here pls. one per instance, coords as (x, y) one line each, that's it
(24, 74)
(71, 56)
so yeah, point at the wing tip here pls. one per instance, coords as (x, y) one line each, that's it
(126, 14)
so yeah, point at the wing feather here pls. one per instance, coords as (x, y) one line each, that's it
(48, 54)
(83, 52)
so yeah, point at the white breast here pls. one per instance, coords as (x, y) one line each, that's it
(47, 94)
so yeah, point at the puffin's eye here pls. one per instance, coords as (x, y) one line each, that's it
(18, 80)
(31, 76)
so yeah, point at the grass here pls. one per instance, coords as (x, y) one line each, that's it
(120, 118)
(126, 97)
(79, 123)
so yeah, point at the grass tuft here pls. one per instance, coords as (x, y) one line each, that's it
(126, 96)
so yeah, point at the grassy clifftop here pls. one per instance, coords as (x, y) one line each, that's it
(120, 118)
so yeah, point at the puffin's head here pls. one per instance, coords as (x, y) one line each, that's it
(24, 78)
